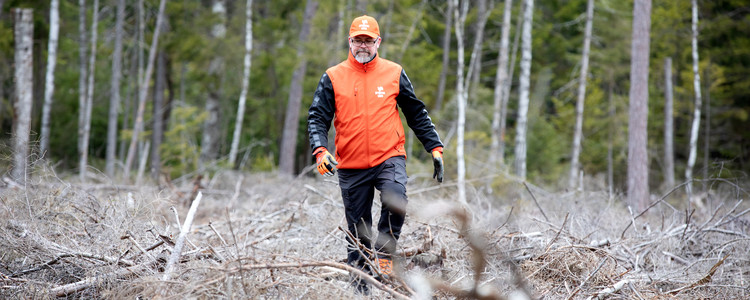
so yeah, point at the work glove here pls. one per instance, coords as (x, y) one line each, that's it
(326, 162)
(437, 161)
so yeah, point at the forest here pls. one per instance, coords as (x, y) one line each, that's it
(108, 107)
(202, 73)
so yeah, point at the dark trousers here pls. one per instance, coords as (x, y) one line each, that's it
(358, 190)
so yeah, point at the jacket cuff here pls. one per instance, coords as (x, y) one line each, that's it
(319, 150)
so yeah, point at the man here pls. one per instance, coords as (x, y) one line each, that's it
(364, 93)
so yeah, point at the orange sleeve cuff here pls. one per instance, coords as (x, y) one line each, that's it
(439, 149)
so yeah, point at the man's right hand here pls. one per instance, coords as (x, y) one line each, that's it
(437, 161)
(326, 162)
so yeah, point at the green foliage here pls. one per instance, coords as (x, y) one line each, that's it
(724, 45)
(421, 67)
(180, 150)
(546, 152)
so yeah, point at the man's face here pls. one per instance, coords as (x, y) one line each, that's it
(364, 47)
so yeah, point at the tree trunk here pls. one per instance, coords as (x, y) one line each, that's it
(610, 137)
(157, 134)
(83, 164)
(82, 74)
(138, 122)
(446, 55)
(114, 92)
(340, 36)
(136, 71)
(23, 33)
(707, 134)
(141, 68)
(460, 15)
(697, 110)
(668, 125)
(361, 7)
(291, 121)
(578, 133)
(212, 126)
(500, 77)
(49, 86)
(523, 98)
(475, 62)
(245, 83)
(638, 190)
(506, 88)
(142, 162)
(386, 28)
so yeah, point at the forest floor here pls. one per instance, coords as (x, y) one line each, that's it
(257, 236)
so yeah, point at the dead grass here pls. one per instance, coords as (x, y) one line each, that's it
(257, 236)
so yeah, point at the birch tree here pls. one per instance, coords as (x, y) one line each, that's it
(446, 55)
(386, 32)
(49, 86)
(707, 123)
(245, 82)
(361, 6)
(697, 109)
(143, 90)
(159, 108)
(578, 133)
(611, 131)
(82, 71)
(475, 62)
(114, 91)
(506, 87)
(500, 77)
(212, 126)
(460, 15)
(668, 124)
(638, 190)
(83, 163)
(23, 33)
(291, 121)
(136, 73)
(523, 99)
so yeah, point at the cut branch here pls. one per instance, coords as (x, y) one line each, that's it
(182, 237)
(350, 269)
(704, 280)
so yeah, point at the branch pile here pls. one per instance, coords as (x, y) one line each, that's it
(251, 237)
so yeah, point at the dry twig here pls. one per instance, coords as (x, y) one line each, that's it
(702, 281)
(535, 201)
(181, 238)
(350, 269)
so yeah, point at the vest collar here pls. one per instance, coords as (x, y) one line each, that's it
(360, 66)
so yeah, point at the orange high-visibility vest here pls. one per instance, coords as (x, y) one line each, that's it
(365, 99)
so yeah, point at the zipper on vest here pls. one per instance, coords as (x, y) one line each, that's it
(365, 99)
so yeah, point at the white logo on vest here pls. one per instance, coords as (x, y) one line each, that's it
(380, 92)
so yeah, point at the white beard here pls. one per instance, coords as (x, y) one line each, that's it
(363, 57)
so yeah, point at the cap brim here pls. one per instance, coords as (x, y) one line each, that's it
(367, 33)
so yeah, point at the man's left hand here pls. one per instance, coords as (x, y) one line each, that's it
(326, 162)
(437, 161)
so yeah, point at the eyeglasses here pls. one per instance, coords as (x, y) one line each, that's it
(368, 43)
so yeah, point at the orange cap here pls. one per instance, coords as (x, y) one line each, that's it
(365, 25)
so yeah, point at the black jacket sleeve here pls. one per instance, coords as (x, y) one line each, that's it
(416, 114)
(321, 113)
